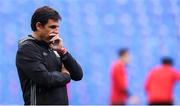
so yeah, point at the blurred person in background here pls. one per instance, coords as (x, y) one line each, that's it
(119, 91)
(44, 65)
(160, 82)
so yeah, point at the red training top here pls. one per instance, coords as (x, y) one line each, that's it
(118, 83)
(160, 82)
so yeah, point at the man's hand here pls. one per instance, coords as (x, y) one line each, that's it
(64, 70)
(56, 43)
(134, 100)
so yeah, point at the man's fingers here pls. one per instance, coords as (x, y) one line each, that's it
(52, 34)
(66, 72)
(51, 45)
(54, 39)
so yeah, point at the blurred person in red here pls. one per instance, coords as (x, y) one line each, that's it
(119, 92)
(160, 82)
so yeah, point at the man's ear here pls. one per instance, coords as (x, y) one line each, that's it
(38, 26)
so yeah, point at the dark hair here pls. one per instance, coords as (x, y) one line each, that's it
(167, 61)
(42, 15)
(121, 52)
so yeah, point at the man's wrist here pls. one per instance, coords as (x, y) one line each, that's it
(62, 51)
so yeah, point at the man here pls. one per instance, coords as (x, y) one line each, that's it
(44, 65)
(160, 82)
(119, 92)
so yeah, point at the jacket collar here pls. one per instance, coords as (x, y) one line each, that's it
(40, 42)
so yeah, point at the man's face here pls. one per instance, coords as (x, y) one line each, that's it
(49, 30)
(126, 58)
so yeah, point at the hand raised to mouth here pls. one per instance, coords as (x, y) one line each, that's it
(56, 43)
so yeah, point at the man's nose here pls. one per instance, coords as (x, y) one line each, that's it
(56, 31)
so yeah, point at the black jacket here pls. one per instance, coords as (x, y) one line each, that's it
(39, 69)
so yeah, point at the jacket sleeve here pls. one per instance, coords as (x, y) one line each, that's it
(30, 61)
(72, 66)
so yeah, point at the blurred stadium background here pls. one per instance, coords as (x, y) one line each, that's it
(93, 30)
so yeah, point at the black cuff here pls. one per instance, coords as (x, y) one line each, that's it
(65, 56)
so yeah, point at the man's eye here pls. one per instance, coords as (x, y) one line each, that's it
(53, 27)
